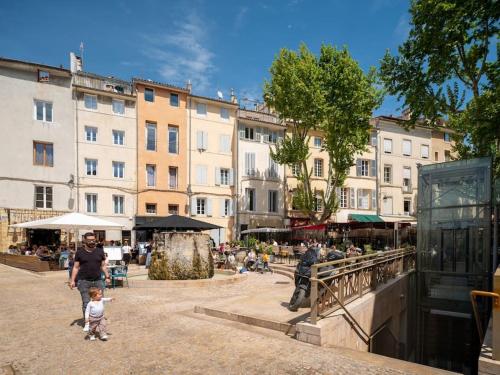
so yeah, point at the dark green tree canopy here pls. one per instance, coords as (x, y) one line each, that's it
(448, 69)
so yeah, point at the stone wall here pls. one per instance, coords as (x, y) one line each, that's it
(181, 256)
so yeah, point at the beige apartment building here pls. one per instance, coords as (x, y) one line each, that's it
(211, 173)
(37, 170)
(106, 151)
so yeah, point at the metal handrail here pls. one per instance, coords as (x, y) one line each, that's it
(482, 293)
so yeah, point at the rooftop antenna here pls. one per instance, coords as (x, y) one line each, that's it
(81, 54)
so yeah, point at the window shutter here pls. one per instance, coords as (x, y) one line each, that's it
(337, 193)
(247, 163)
(222, 204)
(205, 140)
(217, 176)
(258, 134)
(231, 207)
(358, 167)
(199, 140)
(252, 163)
(352, 192)
(241, 131)
(222, 143)
(407, 173)
(373, 165)
(231, 177)
(360, 198)
(269, 201)
(265, 134)
(193, 206)
(388, 145)
(406, 147)
(374, 138)
(209, 207)
(198, 174)
(374, 200)
(204, 173)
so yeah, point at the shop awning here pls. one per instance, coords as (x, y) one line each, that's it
(360, 218)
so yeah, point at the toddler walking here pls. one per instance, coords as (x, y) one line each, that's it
(94, 314)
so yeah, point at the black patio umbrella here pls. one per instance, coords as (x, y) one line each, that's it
(172, 222)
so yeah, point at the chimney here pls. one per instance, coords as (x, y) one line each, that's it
(189, 86)
(233, 97)
(75, 63)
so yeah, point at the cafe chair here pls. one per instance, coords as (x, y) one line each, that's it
(119, 272)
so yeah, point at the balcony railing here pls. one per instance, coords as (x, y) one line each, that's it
(105, 84)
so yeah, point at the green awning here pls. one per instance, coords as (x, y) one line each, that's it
(360, 218)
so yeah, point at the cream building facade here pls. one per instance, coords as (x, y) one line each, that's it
(211, 160)
(106, 150)
(37, 170)
(260, 183)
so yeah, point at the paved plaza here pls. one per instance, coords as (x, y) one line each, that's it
(153, 330)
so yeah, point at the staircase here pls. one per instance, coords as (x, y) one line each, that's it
(283, 269)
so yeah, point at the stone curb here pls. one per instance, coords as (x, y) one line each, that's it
(236, 278)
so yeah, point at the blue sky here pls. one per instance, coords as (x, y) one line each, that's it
(219, 45)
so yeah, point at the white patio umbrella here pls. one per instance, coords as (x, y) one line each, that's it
(73, 220)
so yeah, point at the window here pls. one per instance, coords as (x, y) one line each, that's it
(227, 208)
(407, 207)
(406, 179)
(224, 114)
(43, 154)
(91, 200)
(363, 167)
(318, 167)
(173, 139)
(91, 167)
(201, 109)
(318, 142)
(249, 134)
(90, 134)
(273, 137)
(118, 169)
(436, 156)
(446, 137)
(172, 177)
(90, 101)
(201, 175)
(295, 169)
(387, 146)
(149, 95)
(388, 174)
(118, 137)
(174, 100)
(150, 136)
(424, 151)
(151, 208)
(250, 199)
(318, 204)
(118, 106)
(43, 111)
(364, 199)
(201, 140)
(272, 201)
(344, 198)
(225, 143)
(43, 196)
(151, 174)
(173, 209)
(447, 155)
(43, 76)
(118, 201)
(224, 176)
(273, 168)
(201, 204)
(250, 164)
(406, 147)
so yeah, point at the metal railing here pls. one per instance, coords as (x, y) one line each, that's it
(354, 277)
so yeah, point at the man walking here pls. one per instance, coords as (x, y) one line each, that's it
(89, 263)
(126, 249)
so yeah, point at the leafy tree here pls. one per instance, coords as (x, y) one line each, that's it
(446, 69)
(329, 93)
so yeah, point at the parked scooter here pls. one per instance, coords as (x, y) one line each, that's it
(303, 275)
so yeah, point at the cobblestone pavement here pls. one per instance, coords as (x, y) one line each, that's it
(154, 331)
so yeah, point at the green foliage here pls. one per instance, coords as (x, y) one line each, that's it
(163, 268)
(329, 93)
(445, 70)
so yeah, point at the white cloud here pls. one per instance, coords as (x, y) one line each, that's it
(239, 19)
(402, 29)
(182, 55)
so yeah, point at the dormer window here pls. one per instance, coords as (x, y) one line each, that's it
(43, 76)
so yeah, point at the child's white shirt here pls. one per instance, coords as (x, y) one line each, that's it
(95, 309)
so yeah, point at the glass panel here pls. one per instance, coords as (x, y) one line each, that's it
(48, 112)
(151, 137)
(149, 95)
(39, 151)
(174, 100)
(39, 110)
(172, 140)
